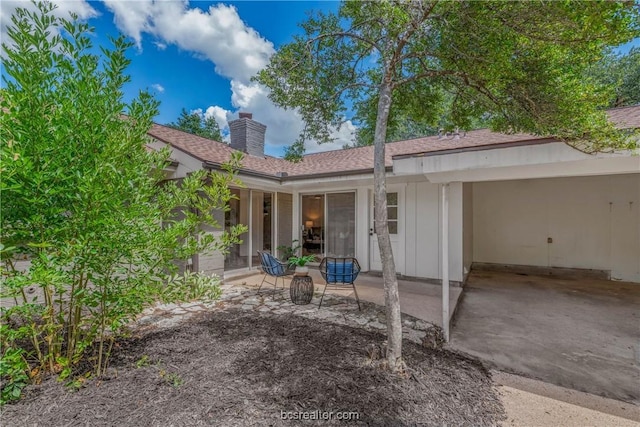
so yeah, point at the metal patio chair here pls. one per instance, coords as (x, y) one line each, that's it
(272, 267)
(340, 272)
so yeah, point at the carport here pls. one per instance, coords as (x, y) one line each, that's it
(564, 227)
(537, 203)
(576, 332)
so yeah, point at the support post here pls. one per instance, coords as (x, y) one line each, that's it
(444, 256)
(275, 231)
(250, 231)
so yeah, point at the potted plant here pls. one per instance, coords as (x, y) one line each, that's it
(301, 264)
(287, 252)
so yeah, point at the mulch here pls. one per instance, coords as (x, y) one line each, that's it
(239, 368)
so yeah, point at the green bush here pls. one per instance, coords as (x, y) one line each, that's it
(193, 286)
(87, 202)
(13, 367)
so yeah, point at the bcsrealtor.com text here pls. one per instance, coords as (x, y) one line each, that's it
(319, 415)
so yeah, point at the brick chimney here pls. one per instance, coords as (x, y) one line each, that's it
(247, 135)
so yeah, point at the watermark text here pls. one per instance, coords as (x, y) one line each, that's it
(319, 415)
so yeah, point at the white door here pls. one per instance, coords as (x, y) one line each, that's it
(395, 212)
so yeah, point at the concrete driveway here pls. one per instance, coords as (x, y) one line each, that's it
(581, 333)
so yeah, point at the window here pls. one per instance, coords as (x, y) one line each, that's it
(392, 213)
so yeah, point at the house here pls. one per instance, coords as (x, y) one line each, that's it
(453, 200)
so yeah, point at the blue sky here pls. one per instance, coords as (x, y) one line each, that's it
(200, 55)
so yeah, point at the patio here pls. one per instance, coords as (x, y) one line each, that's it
(417, 298)
(338, 306)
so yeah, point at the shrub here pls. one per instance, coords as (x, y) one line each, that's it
(87, 202)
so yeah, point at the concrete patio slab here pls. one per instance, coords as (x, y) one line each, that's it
(582, 333)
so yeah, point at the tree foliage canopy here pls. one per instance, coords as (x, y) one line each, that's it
(622, 74)
(403, 127)
(196, 124)
(86, 201)
(519, 65)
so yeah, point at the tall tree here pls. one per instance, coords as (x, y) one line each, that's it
(522, 63)
(197, 124)
(622, 73)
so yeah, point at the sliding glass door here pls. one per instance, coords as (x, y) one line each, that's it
(328, 224)
(255, 209)
(313, 226)
(341, 225)
(238, 213)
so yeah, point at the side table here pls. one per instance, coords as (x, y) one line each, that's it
(301, 289)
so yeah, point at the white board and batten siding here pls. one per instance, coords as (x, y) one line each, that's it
(423, 234)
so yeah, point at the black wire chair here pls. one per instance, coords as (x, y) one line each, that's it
(340, 272)
(272, 267)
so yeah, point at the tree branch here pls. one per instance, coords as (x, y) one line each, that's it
(397, 54)
(344, 34)
(429, 73)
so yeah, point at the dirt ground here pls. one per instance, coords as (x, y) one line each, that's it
(238, 368)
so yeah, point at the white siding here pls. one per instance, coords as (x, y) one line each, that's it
(411, 218)
(211, 263)
(424, 227)
(455, 232)
(423, 234)
(467, 227)
(594, 223)
(285, 220)
(362, 227)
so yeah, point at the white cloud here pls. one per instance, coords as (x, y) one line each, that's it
(283, 126)
(238, 52)
(132, 17)
(7, 7)
(343, 135)
(158, 87)
(221, 116)
(242, 95)
(218, 33)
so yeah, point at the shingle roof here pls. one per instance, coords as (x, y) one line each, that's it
(360, 158)
(215, 152)
(625, 117)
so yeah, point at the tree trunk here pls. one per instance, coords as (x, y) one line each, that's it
(391, 299)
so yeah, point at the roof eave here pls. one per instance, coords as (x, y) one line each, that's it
(331, 174)
(218, 166)
(477, 148)
(284, 178)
